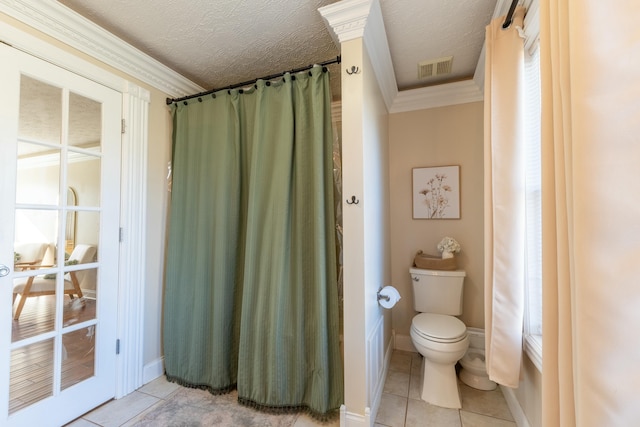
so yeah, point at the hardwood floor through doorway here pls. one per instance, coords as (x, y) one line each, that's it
(32, 365)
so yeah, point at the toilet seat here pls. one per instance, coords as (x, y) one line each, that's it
(439, 327)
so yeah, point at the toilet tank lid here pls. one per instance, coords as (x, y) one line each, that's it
(449, 273)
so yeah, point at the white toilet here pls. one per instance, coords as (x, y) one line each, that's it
(440, 337)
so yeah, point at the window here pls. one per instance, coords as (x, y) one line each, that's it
(533, 232)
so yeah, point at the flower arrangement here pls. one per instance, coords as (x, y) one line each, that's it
(448, 246)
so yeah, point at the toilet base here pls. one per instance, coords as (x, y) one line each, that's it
(439, 384)
(480, 382)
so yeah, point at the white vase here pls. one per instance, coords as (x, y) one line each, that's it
(447, 254)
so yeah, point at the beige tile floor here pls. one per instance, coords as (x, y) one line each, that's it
(401, 405)
(161, 403)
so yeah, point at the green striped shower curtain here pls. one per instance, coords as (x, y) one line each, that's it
(250, 297)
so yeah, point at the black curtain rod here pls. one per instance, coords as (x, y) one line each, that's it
(509, 18)
(250, 82)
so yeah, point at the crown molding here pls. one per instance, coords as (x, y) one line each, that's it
(375, 40)
(352, 19)
(39, 48)
(346, 19)
(68, 27)
(479, 75)
(437, 96)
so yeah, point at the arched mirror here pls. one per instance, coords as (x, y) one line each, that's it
(72, 221)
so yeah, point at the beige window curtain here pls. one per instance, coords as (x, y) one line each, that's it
(590, 75)
(504, 199)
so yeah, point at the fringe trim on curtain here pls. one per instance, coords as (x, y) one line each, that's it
(214, 391)
(270, 409)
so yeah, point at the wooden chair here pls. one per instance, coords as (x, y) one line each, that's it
(34, 286)
(31, 254)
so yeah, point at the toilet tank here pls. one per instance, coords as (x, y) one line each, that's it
(437, 291)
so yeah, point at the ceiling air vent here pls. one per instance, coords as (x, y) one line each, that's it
(434, 67)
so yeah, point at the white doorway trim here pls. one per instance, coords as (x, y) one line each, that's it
(133, 197)
(133, 212)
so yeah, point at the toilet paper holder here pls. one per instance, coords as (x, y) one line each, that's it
(384, 297)
(388, 296)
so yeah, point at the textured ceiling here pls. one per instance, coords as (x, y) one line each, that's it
(219, 43)
(419, 30)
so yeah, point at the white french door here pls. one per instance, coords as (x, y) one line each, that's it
(60, 145)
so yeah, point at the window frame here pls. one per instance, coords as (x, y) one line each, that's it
(532, 336)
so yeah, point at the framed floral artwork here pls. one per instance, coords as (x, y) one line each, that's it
(436, 192)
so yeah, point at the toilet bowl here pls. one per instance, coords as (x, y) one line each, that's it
(474, 371)
(441, 340)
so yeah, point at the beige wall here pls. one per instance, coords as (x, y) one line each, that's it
(442, 136)
(159, 155)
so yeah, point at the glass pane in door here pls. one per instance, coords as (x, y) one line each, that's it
(40, 111)
(38, 173)
(31, 377)
(78, 356)
(85, 126)
(36, 233)
(83, 176)
(33, 315)
(82, 286)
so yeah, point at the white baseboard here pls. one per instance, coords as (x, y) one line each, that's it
(349, 419)
(514, 406)
(153, 370)
(404, 343)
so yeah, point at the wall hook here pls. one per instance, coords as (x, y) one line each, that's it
(353, 70)
(353, 201)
